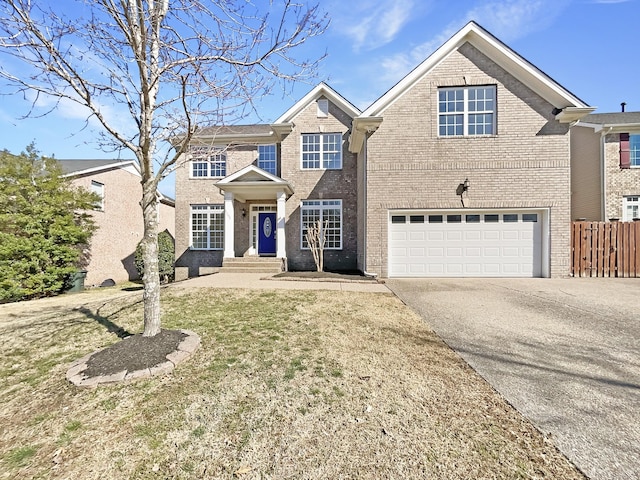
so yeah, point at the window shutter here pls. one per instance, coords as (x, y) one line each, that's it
(625, 156)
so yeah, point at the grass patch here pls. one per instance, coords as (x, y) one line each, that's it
(285, 385)
(19, 457)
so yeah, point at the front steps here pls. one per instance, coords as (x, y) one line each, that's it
(252, 265)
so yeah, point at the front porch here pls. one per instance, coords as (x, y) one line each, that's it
(263, 197)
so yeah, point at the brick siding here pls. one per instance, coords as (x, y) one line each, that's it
(525, 165)
(620, 182)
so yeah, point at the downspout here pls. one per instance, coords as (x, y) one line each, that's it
(603, 175)
(364, 182)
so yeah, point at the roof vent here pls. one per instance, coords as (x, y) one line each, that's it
(623, 104)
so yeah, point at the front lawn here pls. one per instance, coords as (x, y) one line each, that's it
(286, 384)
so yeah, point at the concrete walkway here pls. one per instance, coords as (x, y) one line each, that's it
(262, 281)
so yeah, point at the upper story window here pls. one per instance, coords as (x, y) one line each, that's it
(634, 150)
(208, 162)
(98, 189)
(267, 158)
(322, 151)
(467, 111)
(630, 208)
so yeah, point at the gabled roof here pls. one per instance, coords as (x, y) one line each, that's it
(615, 121)
(320, 90)
(570, 107)
(251, 183)
(497, 51)
(72, 168)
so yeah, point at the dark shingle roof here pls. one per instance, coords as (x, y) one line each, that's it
(619, 118)
(235, 130)
(71, 166)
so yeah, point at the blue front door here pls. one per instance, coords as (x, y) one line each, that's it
(266, 234)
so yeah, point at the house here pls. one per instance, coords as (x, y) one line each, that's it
(605, 156)
(118, 216)
(460, 169)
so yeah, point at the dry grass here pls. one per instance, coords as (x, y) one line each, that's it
(309, 385)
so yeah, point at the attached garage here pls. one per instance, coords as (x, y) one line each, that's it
(483, 243)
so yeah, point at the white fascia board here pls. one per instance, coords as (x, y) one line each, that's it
(611, 127)
(130, 166)
(573, 114)
(322, 89)
(250, 168)
(498, 52)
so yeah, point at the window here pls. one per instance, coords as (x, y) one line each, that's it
(630, 208)
(634, 150)
(267, 158)
(398, 219)
(468, 111)
(322, 151)
(207, 162)
(98, 189)
(329, 212)
(207, 227)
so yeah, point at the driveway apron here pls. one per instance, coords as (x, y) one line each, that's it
(563, 352)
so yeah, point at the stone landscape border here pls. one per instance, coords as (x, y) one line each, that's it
(186, 348)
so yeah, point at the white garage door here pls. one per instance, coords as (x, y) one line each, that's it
(465, 244)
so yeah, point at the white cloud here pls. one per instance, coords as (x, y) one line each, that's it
(508, 20)
(371, 24)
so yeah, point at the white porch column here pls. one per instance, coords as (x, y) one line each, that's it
(281, 250)
(229, 227)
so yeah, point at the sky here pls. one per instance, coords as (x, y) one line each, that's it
(587, 46)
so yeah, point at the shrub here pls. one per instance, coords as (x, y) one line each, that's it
(45, 226)
(166, 257)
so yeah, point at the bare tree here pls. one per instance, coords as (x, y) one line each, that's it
(316, 239)
(163, 66)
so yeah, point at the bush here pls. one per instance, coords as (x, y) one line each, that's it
(44, 226)
(166, 257)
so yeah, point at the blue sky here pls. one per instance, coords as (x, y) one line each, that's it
(588, 46)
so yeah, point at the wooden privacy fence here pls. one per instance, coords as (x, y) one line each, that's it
(605, 249)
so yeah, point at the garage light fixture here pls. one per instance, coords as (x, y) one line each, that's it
(463, 187)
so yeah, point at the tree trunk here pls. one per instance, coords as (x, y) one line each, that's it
(151, 275)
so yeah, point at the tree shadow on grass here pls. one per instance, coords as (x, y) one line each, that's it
(105, 322)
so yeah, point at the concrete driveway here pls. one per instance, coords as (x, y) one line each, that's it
(564, 352)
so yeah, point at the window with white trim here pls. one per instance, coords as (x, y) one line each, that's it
(207, 227)
(329, 212)
(467, 111)
(630, 208)
(267, 158)
(322, 151)
(98, 189)
(207, 162)
(634, 150)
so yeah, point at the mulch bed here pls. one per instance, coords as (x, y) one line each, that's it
(337, 276)
(134, 353)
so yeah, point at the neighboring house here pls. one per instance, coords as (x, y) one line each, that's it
(605, 155)
(118, 216)
(461, 169)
